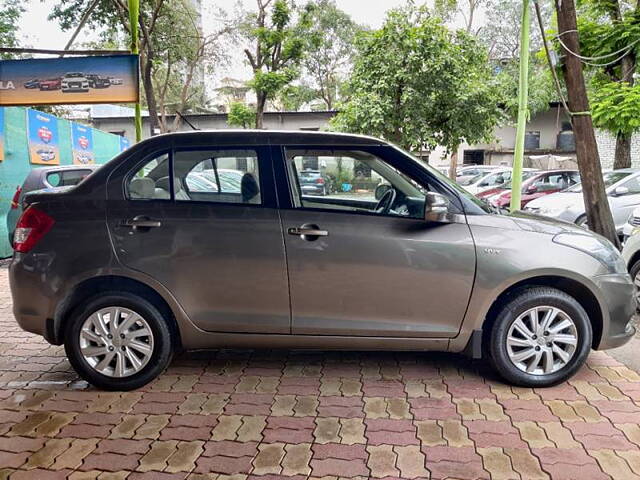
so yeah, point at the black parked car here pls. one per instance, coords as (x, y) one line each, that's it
(34, 83)
(96, 81)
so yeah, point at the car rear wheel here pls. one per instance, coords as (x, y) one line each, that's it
(118, 341)
(540, 338)
(634, 271)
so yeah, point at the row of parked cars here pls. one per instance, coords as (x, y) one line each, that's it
(73, 82)
(554, 193)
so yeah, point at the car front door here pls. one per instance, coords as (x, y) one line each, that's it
(362, 260)
(216, 248)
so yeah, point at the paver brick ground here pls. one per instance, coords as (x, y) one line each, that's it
(300, 415)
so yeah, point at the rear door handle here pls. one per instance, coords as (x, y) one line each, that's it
(306, 231)
(141, 221)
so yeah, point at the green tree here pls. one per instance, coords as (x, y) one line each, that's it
(610, 33)
(331, 48)
(419, 84)
(541, 88)
(277, 49)
(10, 12)
(292, 97)
(174, 53)
(240, 115)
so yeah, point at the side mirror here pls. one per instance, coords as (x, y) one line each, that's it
(532, 189)
(620, 191)
(436, 207)
(381, 190)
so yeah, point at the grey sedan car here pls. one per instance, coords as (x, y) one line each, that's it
(623, 192)
(133, 265)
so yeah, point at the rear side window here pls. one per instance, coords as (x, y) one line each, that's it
(221, 176)
(151, 180)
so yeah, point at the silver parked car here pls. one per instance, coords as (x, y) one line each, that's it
(623, 192)
(133, 264)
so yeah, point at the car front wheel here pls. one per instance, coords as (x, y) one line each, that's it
(118, 341)
(541, 337)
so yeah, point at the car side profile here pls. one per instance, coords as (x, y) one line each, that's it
(49, 84)
(132, 264)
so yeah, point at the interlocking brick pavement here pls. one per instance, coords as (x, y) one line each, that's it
(300, 415)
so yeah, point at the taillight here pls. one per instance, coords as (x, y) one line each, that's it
(15, 202)
(320, 181)
(32, 226)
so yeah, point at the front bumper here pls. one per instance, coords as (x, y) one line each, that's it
(619, 295)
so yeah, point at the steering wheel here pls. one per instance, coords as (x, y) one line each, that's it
(386, 202)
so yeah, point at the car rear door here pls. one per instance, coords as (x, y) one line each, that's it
(357, 272)
(219, 253)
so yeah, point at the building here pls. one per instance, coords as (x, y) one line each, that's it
(549, 141)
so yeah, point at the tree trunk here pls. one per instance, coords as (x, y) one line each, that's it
(147, 82)
(453, 165)
(599, 216)
(260, 103)
(623, 151)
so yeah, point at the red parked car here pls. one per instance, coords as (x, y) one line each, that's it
(50, 84)
(534, 185)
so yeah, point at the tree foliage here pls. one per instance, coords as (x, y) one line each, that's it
(10, 12)
(419, 84)
(174, 53)
(610, 33)
(330, 35)
(277, 48)
(240, 115)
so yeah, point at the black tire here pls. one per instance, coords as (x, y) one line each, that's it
(519, 302)
(162, 345)
(634, 271)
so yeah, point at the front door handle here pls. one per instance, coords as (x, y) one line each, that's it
(141, 222)
(308, 232)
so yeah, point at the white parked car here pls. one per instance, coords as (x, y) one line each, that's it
(486, 180)
(623, 192)
(74, 82)
(631, 256)
(633, 224)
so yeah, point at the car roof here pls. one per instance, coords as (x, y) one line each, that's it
(255, 137)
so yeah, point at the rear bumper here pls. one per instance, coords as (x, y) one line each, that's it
(33, 299)
(618, 292)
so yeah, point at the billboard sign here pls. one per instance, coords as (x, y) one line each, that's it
(50, 81)
(82, 144)
(1, 134)
(43, 138)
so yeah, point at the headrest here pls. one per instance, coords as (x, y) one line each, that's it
(142, 187)
(163, 183)
(249, 187)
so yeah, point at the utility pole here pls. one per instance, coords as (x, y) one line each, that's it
(523, 104)
(596, 204)
(134, 13)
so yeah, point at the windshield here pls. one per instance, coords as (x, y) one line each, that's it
(609, 178)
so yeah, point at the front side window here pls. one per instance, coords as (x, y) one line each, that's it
(352, 181)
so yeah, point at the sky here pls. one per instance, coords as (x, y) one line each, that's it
(42, 33)
(37, 31)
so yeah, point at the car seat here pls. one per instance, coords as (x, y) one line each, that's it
(142, 188)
